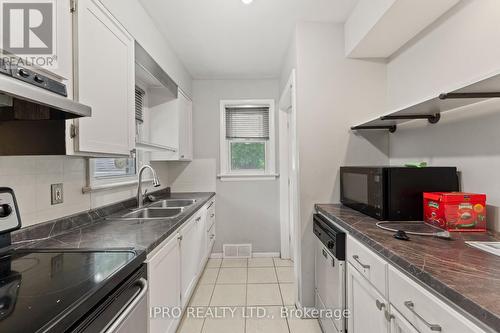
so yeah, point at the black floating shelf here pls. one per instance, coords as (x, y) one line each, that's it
(432, 118)
(432, 108)
(391, 128)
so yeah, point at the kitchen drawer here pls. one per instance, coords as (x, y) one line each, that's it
(423, 310)
(370, 265)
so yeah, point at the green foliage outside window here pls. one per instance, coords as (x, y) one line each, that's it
(248, 156)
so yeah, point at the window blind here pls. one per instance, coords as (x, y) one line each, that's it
(139, 104)
(247, 122)
(113, 167)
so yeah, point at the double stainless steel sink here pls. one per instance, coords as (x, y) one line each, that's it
(160, 210)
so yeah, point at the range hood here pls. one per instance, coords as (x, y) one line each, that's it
(149, 70)
(26, 95)
(33, 110)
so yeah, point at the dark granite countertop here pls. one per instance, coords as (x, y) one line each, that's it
(101, 233)
(464, 276)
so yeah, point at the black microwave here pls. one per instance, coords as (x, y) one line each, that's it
(393, 193)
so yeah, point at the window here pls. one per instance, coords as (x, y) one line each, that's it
(113, 167)
(247, 139)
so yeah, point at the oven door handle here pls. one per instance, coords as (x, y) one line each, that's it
(127, 309)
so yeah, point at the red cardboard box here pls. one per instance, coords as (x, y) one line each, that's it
(455, 211)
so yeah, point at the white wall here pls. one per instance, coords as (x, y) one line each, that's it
(460, 48)
(31, 177)
(247, 211)
(139, 24)
(333, 93)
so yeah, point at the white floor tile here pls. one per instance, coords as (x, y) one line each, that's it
(229, 295)
(234, 263)
(214, 263)
(232, 276)
(209, 276)
(260, 262)
(285, 274)
(224, 326)
(288, 293)
(304, 326)
(202, 295)
(278, 262)
(224, 321)
(262, 275)
(266, 326)
(191, 325)
(263, 294)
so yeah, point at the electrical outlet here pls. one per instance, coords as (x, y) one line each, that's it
(57, 194)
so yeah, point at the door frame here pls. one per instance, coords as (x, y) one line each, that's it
(289, 178)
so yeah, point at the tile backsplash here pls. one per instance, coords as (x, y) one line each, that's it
(31, 176)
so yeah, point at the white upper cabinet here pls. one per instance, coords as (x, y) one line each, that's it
(171, 126)
(63, 50)
(105, 80)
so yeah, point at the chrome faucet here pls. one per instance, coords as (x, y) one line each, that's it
(156, 183)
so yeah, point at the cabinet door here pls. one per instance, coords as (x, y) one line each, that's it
(366, 306)
(104, 79)
(164, 286)
(399, 324)
(201, 230)
(185, 128)
(189, 260)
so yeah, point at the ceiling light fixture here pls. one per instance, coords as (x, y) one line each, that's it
(247, 2)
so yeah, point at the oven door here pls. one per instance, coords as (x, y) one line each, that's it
(124, 311)
(363, 189)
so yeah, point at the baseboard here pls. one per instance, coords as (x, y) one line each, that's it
(218, 255)
(266, 255)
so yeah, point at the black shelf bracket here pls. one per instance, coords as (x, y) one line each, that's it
(391, 128)
(432, 118)
(469, 95)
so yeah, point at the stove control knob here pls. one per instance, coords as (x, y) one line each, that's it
(23, 72)
(5, 210)
(330, 245)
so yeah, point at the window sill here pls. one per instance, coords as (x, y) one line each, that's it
(246, 177)
(110, 186)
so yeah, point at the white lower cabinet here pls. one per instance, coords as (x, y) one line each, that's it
(164, 287)
(366, 306)
(174, 268)
(406, 307)
(189, 260)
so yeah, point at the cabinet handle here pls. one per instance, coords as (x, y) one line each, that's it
(356, 257)
(379, 305)
(433, 327)
(212, 236)
(388, 316)
(211, 204)
(198, 219)
(179, 237)
(212, 215)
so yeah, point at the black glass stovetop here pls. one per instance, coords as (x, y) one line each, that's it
(39, 288)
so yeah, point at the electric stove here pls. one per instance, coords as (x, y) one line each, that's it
(55, 290)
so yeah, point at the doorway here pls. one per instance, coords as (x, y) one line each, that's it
(289, 184)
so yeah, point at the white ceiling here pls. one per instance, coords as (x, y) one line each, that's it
(227, 39)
